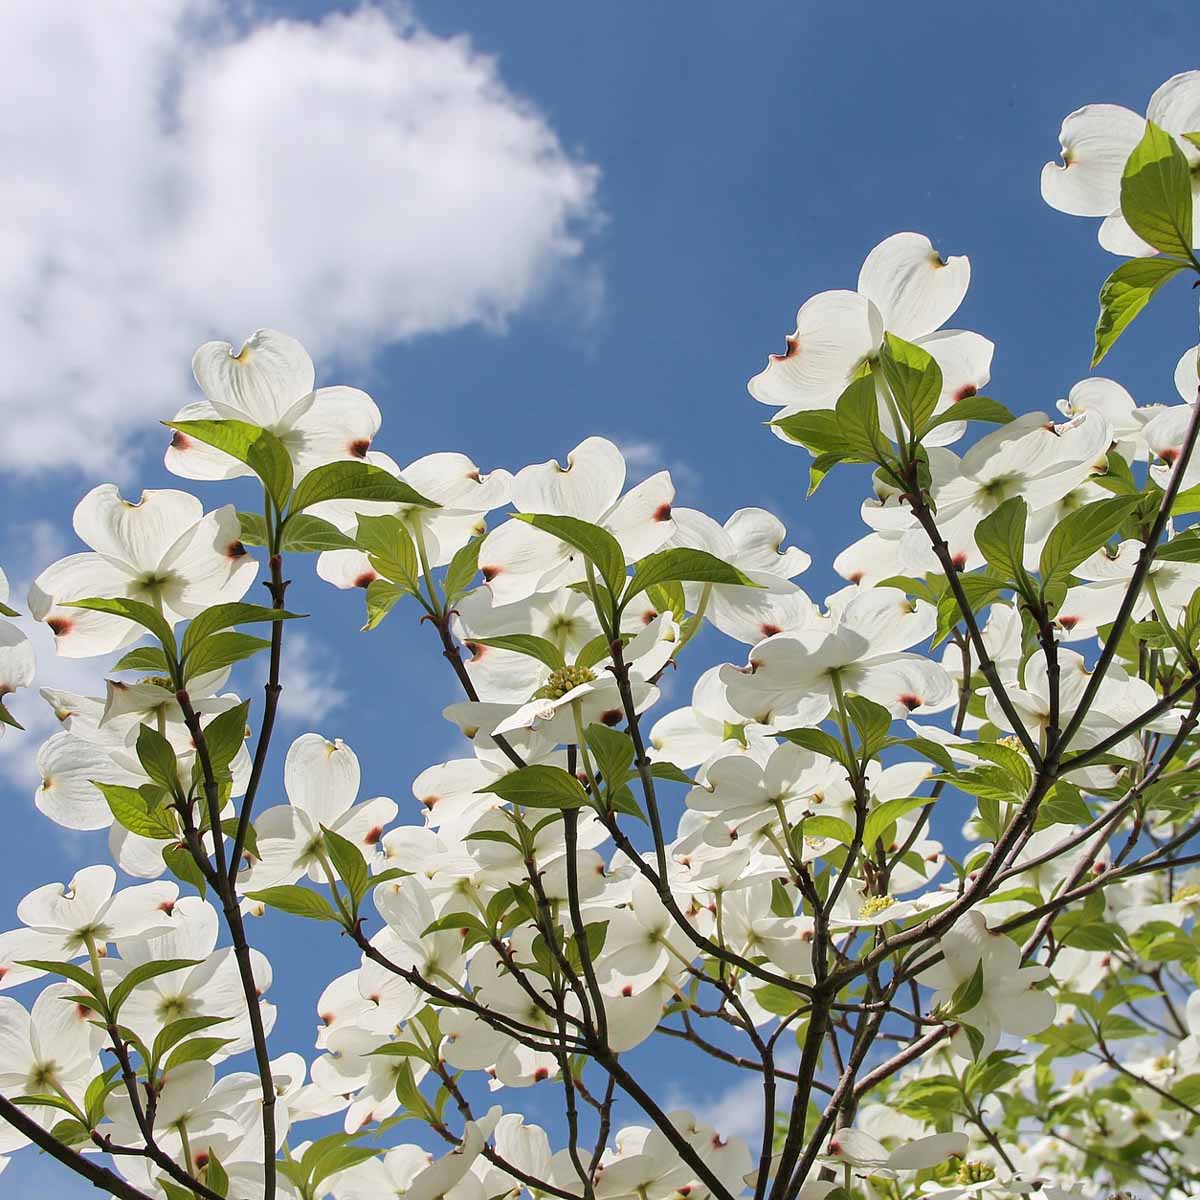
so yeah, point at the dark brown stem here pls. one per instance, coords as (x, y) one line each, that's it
(278, 588)
(98, 1176)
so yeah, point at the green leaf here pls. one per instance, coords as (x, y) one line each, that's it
(823, 826)
(1012, 762)
(1064, 805)
(1125, 293)
(225, 616)
(220, 651)
(1000, 537)
(596, 544)
(968, 993)
(979, 589)
(1156, 193)
(668, 598)
(133, 610)
(174, 1191)
(886, 814)
(197, 1050)
(183, 866)
(299, 901)
(669, 771)
(914, 377)
(816, 430)
(253, 529)
(306, 534)
(971, 408)
(214, 1175)
(72, 971)
(1185, 547)
(819, 742)
(858, 420)
(354, 481)
(382, 596)
(131, 809)
(389, 547)
(143, 972)
(1080, 534)
(683, 566)
(340, 1159)
(539, 786)
(224, 736)
(6, 718)
(934, 751)
(525, 643)
(872, 722)
(157, 757)
(461, 572)
(5, 611)
(613, 753)
(176, 1031)
(144, 658)
(349, 863)
(258, 448)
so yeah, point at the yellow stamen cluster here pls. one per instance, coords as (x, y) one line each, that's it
(875, 905)
(563, 681)
(973, 1171)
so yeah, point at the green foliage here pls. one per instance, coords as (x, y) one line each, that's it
(1156, 193)
(258, 448)
(539, 786)
(1125, 293)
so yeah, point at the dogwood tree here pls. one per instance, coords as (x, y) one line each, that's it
(919, 859)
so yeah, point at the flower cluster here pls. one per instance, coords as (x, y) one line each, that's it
(918, 860)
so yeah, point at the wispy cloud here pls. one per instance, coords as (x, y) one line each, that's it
(644, 457)
(176, 173)
(311, 689)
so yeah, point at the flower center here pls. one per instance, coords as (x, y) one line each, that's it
(974, 1171)
(874, 905)
(563, 681)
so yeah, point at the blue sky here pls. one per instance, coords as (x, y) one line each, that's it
(748, 155)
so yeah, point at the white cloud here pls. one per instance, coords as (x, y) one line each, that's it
(172, 175)
(308, 672)
(644, 457)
